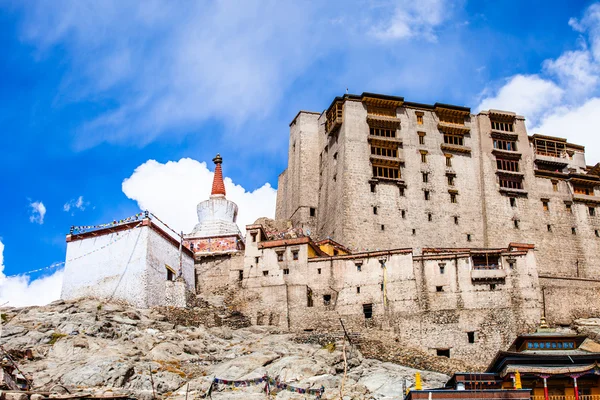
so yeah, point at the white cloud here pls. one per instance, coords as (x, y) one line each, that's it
(173, 190)
(76, 204)
(167, 66)
(38, 212)
(20, 291)
(527, 95)
(579, 124)
(413, 18)
(164, 67)
(563, 99)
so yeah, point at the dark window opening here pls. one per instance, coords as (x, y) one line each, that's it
(430, 217)
(426, 193)
(573, 231)
(253, 234)
(443, 353)
(295, 254)
(359, 267)
(170, 275)
(313, 211)
(492, 286)
(442, 268)
(265, 273)
(513, 201)
(592, 211)
(549, 227)
(382, 227)
(240, 275)
(280, 256)
(516, 223)
(358, 289)
(368, 310)
(486, 261)
(401, 192)
(414, 232)
(455, 220)
(319, 271)
(471, 337)
(439, 288)
(597, 233)
(403, 213)
(425, 177)
(375, 210)
(382, 286)
(545, 206)
(468, 237)
(309, 297)
(286, 271)
(327, 299)
(256, 260)
(373, 186)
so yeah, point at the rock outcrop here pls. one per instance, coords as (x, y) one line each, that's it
(112, 349)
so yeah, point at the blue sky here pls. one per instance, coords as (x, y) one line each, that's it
(91, 92)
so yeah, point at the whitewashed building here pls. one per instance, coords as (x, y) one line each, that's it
(138, 260)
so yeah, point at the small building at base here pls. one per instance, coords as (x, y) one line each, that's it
(138, 260)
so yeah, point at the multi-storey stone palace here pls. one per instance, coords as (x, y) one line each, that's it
(453, 231)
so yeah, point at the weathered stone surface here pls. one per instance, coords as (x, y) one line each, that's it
(110, 355)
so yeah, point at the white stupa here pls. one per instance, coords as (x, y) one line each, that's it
(216, 216)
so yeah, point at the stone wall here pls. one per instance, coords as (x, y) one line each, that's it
(363, 216)
(128, 265)
(108, 266)
(160, 253)
(434, 302)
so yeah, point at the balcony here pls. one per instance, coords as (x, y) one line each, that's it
(455, 129)
(586, 198)
(386, 161)
(392, 142)
(488, 274)
(455, 148)
(383, 121)
(335, 117)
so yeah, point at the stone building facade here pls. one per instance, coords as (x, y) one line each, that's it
(463, 303)
(377, 172)
(138, 262)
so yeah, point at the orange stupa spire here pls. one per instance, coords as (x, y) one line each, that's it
(218, 187)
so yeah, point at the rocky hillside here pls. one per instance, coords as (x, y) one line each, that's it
(111, 349)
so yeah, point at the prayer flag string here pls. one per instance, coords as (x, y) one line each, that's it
(269, 382)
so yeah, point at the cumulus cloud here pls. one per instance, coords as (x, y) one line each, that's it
(75, 204)
(18, 291)
(173, 190)
(528, 95)
(413, 18)
(38, 212)
(563, 99)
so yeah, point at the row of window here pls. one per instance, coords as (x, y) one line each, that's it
(453, 139)
(503, 126)
(391, 133)
(507, 145)
(546, 206)
(386, 172)
(511, 183)
(507, 165)
(517, 224)
(281, 255)
(384, 151)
